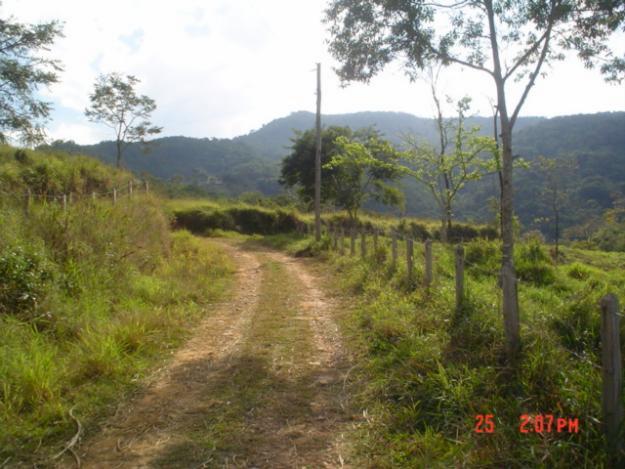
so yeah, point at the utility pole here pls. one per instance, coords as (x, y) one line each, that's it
(318, 160)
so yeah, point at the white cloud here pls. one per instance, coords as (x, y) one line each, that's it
(224, 67)
(80, 133)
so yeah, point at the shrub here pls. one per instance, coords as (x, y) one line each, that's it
(482, 256)
(23, 278)
(579, 271)
(314, 248)
(488, 232)
(610, 237)
(578, 326)
(533, 236)
(459, 233)
(414, 230)
(247, 220)
(533, 264)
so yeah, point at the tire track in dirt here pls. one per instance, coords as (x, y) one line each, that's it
(140, 427)
(260, 383)
(313, 438)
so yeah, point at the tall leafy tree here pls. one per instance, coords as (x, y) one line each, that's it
(364, 170)
(446, 170)
(116, 104)
(24, 68)
(296, 167)
(355, 166)
(507, 40)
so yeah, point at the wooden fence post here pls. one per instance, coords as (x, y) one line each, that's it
(352, 247)
(65, 202)
(409, 257)
(114, 196)
(394, 248)
(93, 196)
(612, 402)
(363, 244)
(130, 189)
(459, 277)
(428, 263)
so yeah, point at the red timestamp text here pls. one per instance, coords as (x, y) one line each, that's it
(531, 423)
(547, 423)
(484, 423)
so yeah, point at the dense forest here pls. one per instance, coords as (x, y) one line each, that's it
(592, 145)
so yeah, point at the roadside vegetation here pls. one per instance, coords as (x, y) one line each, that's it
(90, 297)
(426, 371)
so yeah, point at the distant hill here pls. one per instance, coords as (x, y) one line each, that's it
(273, 139)
(251, 162)
(223, 166)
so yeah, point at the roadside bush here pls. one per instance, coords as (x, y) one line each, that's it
(414, 230)
(459, 233)
(23, 279)
(247, 220)
(488, 232)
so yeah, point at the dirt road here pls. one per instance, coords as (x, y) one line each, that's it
(260, 383)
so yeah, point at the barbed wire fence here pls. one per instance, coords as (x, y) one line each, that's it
(393, 240)
(344, 241)
(65, 199)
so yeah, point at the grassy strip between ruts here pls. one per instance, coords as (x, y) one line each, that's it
(93, 297)
(425, 372)
(256, 389)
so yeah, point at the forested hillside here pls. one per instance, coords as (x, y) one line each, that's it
(219, 165)
(593, 143)
(272, 140)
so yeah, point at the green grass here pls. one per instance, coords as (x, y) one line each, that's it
(204, 216)
(90, 300)
(425, 372)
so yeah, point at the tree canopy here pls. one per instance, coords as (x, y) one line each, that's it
(24, 68)
(458, 160)
(505, 39)
(355, 165)
(115, 103)
(362, 170)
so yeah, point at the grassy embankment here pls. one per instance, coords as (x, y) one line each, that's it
(221, 217)
(426, 372)
(90, 298)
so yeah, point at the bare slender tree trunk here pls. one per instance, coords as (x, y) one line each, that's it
(499, 172)
(509, 283)
(318, 159)
(508, 275)
(119, 154)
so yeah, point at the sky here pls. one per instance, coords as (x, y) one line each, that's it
(222, 68)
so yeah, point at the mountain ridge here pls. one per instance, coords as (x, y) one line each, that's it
(251, 162)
